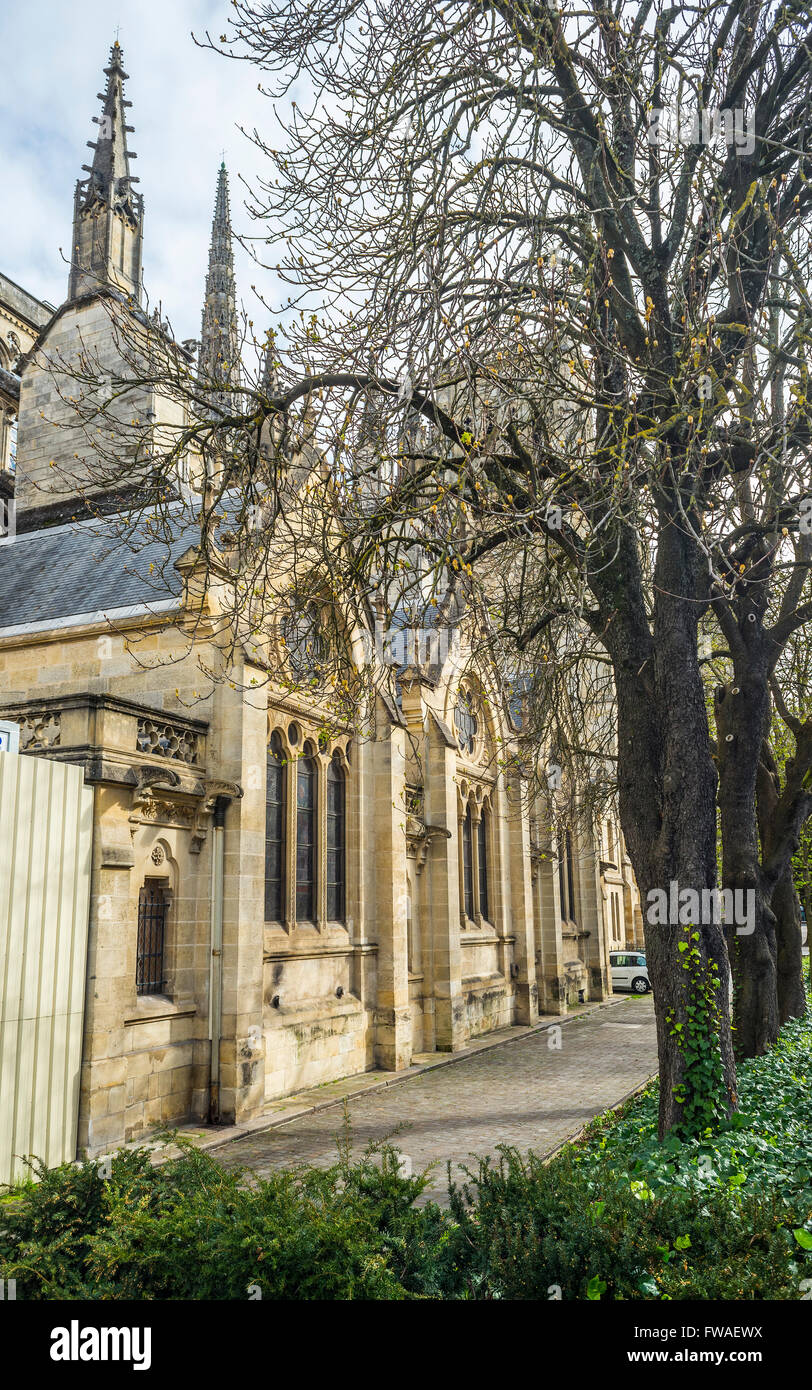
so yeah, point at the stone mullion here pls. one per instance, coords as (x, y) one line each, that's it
(320, 856)
(476, 812)
(290, 843)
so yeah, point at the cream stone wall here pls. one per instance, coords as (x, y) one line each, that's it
(60, 456)
(22, 317)
(171, 715)
(303, 1003)
(145, 1059)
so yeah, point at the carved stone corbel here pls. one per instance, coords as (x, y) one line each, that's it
(419, 837)
(205, 810)
(146, 778)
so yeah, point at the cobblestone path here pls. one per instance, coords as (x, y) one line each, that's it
(525, 1092)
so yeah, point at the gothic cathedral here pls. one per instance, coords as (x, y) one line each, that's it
(270, 909)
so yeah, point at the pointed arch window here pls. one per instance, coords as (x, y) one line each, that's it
(302, 630)
(275, 838)
(336, 842)
(566, 874)
(468, 863)
(306, 810)
(482, 852)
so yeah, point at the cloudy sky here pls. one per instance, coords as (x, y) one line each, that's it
(187, 103)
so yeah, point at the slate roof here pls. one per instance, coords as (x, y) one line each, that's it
(92, 567)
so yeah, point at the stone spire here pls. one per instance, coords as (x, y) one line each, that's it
(269, 376)
(218, 362)
(108, 214)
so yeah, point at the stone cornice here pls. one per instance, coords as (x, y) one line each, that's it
(101, 700)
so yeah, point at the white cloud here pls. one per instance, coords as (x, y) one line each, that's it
(187, 103)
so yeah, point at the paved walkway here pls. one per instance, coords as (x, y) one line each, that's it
(529, 1093)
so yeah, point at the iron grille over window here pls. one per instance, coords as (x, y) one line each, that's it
(305, 836)
(468, 864)
(482, 847)
(153, 905)
(275, 833)
(336, 874)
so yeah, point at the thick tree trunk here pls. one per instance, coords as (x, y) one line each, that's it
(742, 711)
(786, 907)
(777, 845)
(753, 958)
(667, 787)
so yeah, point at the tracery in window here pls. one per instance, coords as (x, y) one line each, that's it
(275, 832)
(336, 841)
(468, 863)
(305, 646)
(306, 807)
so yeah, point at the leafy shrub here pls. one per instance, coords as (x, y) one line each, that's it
(45, 1241)
(529, 1230)
(190, 1230)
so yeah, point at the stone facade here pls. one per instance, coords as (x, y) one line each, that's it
(21, 319)
(271, 910)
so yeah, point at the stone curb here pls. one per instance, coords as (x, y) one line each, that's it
(263, 1123)
(610, 1110)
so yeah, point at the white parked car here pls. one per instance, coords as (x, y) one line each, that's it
(629, 971)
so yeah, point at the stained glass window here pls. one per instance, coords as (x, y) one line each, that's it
(275, 833)
(336, 841)
(306, 796)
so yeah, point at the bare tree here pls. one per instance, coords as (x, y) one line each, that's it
(549, 277)
(616, 311)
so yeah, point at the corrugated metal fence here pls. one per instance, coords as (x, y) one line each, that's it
(46, 816)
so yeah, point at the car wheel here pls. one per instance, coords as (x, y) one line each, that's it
(640, 986)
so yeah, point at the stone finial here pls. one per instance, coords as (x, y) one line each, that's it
(218, 364)
(269, 380)
(98, 257)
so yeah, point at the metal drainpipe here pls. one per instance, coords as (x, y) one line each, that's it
(216, 960)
